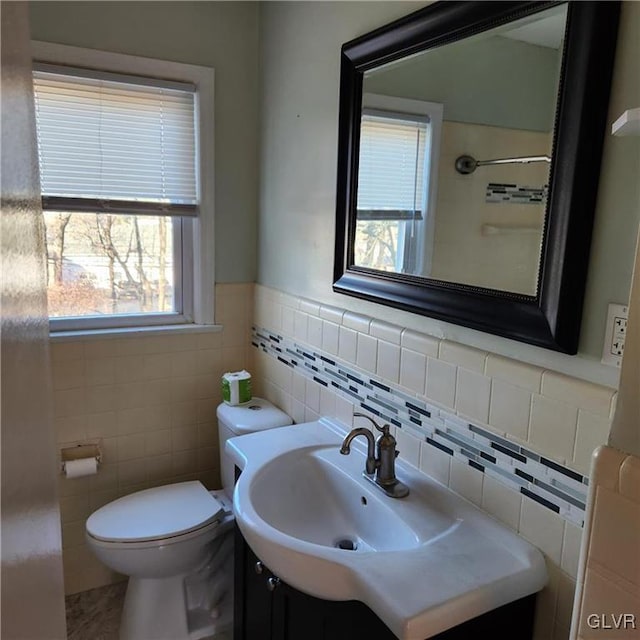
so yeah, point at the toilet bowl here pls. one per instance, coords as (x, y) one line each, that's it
(175, 542)
(171, 541)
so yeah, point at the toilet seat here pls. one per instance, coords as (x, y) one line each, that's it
(212, 530)
(161, 515)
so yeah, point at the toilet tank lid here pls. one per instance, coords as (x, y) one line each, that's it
(256, 415)
(157, 513)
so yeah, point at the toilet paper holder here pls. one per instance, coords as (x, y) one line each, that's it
(79, 451)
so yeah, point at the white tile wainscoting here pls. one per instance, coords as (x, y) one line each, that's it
(609, 580)
(151, 402)
(513, 438)
(416, 422)
(162, 428)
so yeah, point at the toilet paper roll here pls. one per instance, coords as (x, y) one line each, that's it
(236, 387)
(81, 467)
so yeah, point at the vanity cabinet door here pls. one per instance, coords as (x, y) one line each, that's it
(253, 601)
(268, 609)
(298, 616)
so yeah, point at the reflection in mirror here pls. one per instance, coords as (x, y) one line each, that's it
(484, 98)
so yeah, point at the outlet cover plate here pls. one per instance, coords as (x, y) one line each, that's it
(615, 333)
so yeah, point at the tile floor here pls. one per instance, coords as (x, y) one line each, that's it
(95, 614)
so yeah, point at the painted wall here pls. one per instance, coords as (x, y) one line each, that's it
(32, 593)
(222, 35)
(625, 430)
(300, 44)
(513, 84)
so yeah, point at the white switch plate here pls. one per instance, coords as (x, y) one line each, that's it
(615, 333)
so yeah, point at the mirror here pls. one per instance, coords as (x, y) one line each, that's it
(469, 152)
(490, 98)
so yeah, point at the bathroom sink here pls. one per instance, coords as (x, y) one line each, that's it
(323, 499)
(423, 564)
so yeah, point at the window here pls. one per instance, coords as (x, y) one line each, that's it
(124, 205)
(396, 185)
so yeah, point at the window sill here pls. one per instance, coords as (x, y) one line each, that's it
(129, 332)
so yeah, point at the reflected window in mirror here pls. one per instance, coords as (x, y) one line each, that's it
(397, 176)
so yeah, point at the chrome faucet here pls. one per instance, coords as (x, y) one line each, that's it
(381, 458)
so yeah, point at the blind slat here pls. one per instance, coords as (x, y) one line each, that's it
(391, 170)
(110, 140)
(127, 207)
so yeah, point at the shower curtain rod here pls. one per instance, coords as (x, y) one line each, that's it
(468, 164)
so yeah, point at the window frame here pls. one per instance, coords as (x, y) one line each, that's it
(195, 270)
(405, 108)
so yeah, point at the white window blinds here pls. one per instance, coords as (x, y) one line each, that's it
(391, 170)
(115, 143)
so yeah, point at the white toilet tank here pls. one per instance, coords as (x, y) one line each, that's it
(257, 415)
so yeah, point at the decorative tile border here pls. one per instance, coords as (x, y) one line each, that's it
(501, 193)
(548, 483)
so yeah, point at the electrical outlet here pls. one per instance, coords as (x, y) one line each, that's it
(615, 334)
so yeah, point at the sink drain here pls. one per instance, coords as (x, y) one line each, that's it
(347, 544)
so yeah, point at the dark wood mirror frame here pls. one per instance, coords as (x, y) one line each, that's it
(552, 318)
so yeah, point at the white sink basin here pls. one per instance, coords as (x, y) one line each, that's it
(423, 563)
(328, 504)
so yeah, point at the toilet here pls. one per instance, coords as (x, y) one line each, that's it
(257, 415)
(175, 543)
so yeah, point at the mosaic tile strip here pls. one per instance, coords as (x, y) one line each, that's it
(501, 193)
(548, 483)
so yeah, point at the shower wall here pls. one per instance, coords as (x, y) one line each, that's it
(31, 547)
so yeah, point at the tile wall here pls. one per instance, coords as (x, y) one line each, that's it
(555, 486)
(608, 598)
(543, 412)
(151, 403)
(502, 193)
(493, 233)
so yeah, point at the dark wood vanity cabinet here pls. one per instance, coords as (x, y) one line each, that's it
(266, 608)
